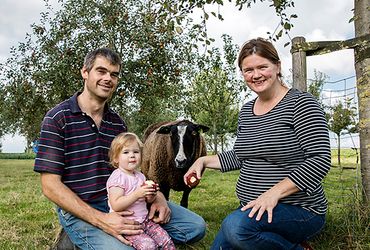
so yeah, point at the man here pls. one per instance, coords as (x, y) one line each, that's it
(73, 161)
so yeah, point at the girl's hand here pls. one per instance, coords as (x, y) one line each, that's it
(145, 190)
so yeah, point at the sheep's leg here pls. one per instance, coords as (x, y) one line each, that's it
(185, 197)
(165, 189)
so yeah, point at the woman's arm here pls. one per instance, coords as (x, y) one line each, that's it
(209, 161)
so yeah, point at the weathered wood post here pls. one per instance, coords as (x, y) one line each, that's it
(299, 64)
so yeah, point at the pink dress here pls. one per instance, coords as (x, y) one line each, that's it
(154, 236)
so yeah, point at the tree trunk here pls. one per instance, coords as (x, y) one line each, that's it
(362, 67)
(222, 143)
(215, 141)
(339, 150)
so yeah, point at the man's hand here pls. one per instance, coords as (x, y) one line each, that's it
(159, 210)
(116, 224)
(112, 223)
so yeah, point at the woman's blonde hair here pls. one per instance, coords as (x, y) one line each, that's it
(119, 142)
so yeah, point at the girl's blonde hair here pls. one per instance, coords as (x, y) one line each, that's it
(119, 142)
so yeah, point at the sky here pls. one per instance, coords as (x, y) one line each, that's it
(317, 21)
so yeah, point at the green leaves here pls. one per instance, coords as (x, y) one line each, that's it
(215, 95)
(342, 117)
(156, 39)
(45, 69)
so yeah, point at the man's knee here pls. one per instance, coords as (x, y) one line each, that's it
(198, 232)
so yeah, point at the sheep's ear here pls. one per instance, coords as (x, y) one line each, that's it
(164, 130)
(202, 128)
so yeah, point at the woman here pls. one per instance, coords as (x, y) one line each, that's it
(282, 151)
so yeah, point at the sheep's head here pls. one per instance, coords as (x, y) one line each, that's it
(186, 141)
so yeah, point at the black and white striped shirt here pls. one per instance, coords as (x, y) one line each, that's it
(292, 140)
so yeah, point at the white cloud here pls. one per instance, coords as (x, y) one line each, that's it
(13, 144)
(16, 17)
(339, 64)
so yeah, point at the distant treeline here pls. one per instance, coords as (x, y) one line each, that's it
(17, 155)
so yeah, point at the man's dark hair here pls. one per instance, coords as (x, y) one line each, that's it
(107, 53)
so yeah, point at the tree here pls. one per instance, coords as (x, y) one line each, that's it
(316, 85)
(315, 88)
(212, 103)
(341, 118)
(215, 94)
(44, 70)
(362, 67)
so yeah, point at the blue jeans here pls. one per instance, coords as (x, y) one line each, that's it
(184, 227)
(290, 226)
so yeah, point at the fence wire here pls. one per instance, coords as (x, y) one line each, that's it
(344, 184)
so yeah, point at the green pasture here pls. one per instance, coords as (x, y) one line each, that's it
(28, 220)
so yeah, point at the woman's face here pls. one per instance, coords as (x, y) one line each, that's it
(260, 74)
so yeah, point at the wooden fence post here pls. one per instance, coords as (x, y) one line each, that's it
(299, 65)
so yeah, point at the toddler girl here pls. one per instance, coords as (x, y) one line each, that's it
(127, 191)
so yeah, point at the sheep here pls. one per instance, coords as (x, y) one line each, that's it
(170, 148)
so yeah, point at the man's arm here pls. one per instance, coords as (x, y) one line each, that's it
(112, 223)
(159, 210)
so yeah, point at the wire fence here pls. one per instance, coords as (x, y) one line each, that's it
(344, 185)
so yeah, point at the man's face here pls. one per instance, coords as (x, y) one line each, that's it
(102, 79)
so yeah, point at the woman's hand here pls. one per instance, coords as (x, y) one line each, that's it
(196, 168)
(266, 202)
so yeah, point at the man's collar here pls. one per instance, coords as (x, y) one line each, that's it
(76, 109)
(74, 104)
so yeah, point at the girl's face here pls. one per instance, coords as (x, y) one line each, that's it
(260, 74)
(130, 158)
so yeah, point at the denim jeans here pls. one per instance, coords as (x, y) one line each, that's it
(184, 227)
(290, 226)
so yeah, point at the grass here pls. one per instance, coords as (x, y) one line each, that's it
(28, 220)
(17, 155)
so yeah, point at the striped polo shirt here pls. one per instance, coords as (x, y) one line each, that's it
(291, 140)
(71, 146)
